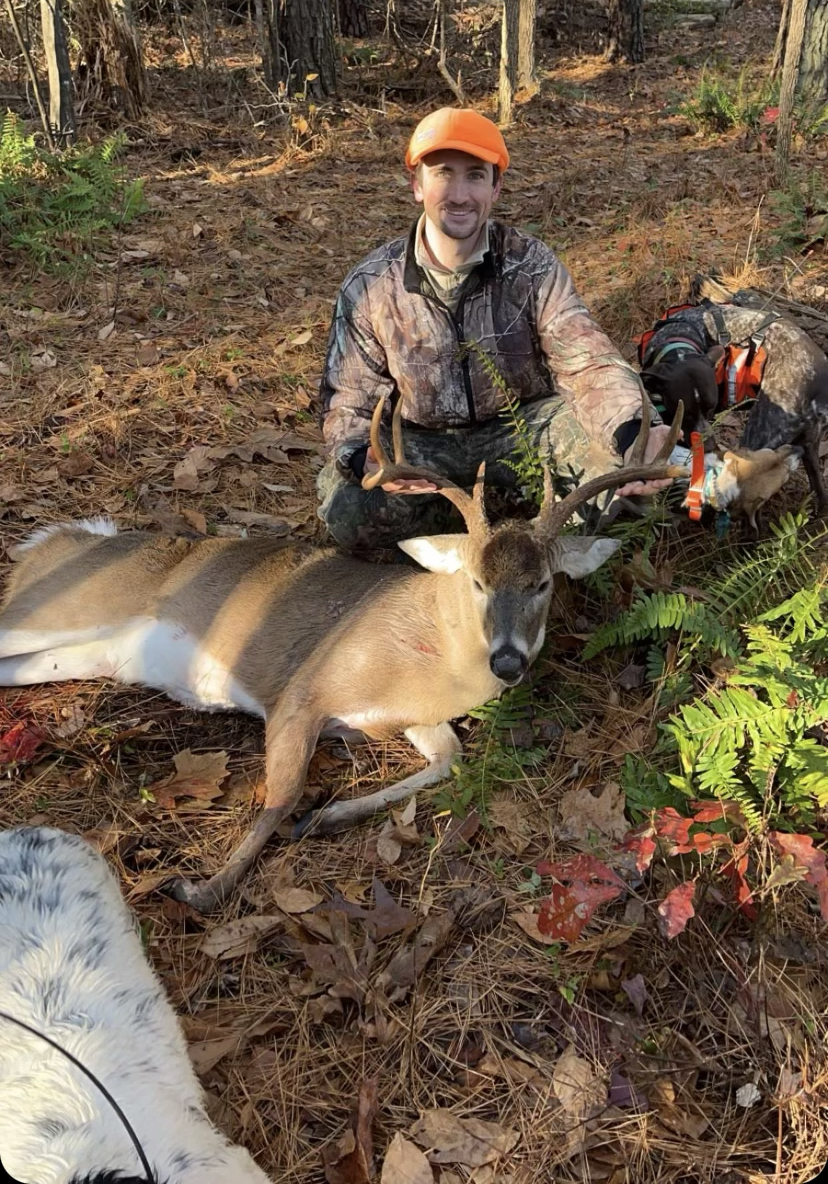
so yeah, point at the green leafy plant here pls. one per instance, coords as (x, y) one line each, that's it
(722, 102)
(51, 206)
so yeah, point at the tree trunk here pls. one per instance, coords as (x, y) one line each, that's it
(790, 73)
(527, 12)
(781, 34)
(110, 57)
(509, 41)
(300, 51)
(353, 18)
(813, 69)
(625, 30)
(61, 107)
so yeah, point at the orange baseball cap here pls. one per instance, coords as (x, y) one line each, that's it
(459, 128)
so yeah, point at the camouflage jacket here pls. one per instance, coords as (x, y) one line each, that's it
(390, 333)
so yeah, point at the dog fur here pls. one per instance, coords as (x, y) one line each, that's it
(72, 966)
(792, 407)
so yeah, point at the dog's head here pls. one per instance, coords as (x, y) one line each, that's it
(692, 381)
(748, 479)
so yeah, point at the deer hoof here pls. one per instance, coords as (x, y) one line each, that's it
(198, 894)
(317, 822)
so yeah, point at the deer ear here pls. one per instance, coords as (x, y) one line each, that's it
(579, 557)
(436, 552)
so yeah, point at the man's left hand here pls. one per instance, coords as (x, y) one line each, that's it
(658, 434)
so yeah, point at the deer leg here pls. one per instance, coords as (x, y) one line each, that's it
(290, 740)
(439, 745)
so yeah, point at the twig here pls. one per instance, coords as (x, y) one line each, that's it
(27, 58)
(454, 85)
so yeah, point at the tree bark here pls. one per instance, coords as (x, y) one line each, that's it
(299, 42)
(527, 13)
(625, 30)
(509, 41)
(781, 34)
(61, 107)
(790, 73)
(813, 69)
(111, 57)
(353, 18)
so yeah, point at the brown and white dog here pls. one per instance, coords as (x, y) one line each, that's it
(684, 361)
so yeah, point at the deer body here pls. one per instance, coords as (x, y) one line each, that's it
(315, 643)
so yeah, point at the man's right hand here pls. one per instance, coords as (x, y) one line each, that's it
(416, 485)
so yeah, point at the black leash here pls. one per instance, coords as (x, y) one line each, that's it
(150, 1174)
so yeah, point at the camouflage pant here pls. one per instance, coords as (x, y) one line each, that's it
(359, 518)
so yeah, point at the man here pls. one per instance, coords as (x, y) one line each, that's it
(415, 321)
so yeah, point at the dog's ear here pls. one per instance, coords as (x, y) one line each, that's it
(655, 379)
(716, 353)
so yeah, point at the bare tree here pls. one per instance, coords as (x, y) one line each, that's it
(300, 52)
(813, 68)
(625, 30)
(790, 73)
(110, 52)
(55, 48)
(527, 15)
(509, 54)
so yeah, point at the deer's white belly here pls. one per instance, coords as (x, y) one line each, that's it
(151, 653)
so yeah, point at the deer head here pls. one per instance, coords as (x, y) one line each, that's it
(507, 570)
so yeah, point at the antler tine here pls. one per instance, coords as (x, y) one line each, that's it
(640, 446)
(670, 443)
(552, 519)
(471, 508)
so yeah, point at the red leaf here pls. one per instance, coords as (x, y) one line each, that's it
(735, 869)
(704, 842)
(20, 743)
(580, 867)
(792, 699)
(676, 909)
(806, 855)
(567, 911)
(670, 825)
(770, 115)
(642, 845)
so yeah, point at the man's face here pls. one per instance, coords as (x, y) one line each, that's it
(457, 192)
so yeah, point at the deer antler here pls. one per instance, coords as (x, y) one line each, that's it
(474, 515)
(553, 515)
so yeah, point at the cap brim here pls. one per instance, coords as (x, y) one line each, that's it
(458, 146)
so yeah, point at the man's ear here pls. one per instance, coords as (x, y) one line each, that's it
(436, 552)
(415, 185)
(579, 557)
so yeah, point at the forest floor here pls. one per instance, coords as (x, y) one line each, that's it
(171, 382)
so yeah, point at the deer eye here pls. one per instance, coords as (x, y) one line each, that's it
(542, 588)
(478, 587)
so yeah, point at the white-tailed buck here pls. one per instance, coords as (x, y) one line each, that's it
(317, 644)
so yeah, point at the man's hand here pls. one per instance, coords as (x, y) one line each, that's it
(417, 485)
(658, 434)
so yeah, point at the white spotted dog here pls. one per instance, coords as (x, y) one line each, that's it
(738, 482)
(73, 974)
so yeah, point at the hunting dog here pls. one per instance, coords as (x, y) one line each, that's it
(711, 357)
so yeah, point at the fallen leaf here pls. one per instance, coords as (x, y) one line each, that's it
(239, 937)
(515, 818)
(350, 1161)
(106, 331)
(296, 900)
(73, 721)
(410, 960)
(577, 1085)
(404, 1163)
(148, 883)
(636, 991)
(676, 909)
(147, 353)
(468, 1141)
(528, 922)
(195, 776)
(389, 848)
(748, 1095)
(584, 813)
(569, 908)
(277, 526)
(76, 464)
(806, 855)
(45, 360)
(188, 473)
(302, 338)
(631, 677)
(195, 519)
(386, 918)
(674, 828)
(206, 1054)
(19, 744)
(787, 871)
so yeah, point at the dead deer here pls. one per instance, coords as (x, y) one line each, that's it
(316, 644)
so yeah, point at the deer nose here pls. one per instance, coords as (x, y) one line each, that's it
(508, 664)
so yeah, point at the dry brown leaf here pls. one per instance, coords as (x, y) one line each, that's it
(239, 937)
(350, 1160)
(76, 464)
(106, 331)
(583, 814)
(577, 1086)
(405, 1163)
(195, 776)
(469, 1141)
(302, 338)
(528, 922)
(389, 849)
(196, 520)
(206, 1054)
(296, 900)
(148, 883)
(515, 818)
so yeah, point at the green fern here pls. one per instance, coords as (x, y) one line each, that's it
(655, 614)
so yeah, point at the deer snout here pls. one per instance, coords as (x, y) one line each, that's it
(508, 664)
